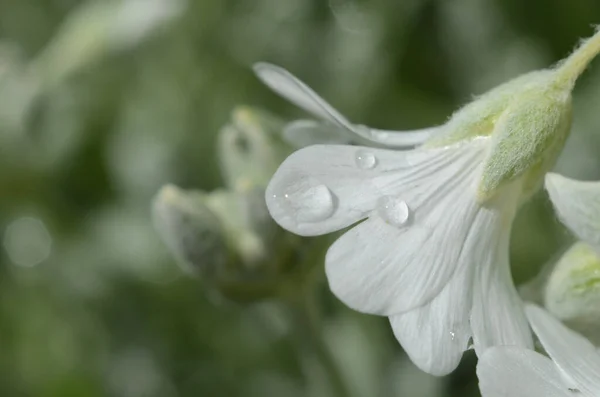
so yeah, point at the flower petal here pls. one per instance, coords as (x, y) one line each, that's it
(435, 335)
(302, 133)
(571, 352)
(497, 316)
(324, 188)
(288, 86)
(386, 268)
(505, 371)
(577, 204)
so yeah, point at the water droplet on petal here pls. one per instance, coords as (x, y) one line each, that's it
(365, 159)
(306, 200)
(393, 211)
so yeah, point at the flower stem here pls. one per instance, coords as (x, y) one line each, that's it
(572, 67)
(309, 326)
(302, 298)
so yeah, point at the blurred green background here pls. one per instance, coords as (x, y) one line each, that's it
(102, 103)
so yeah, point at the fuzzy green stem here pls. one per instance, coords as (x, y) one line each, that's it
(572, 67)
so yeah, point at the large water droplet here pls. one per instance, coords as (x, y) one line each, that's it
(365, 159)
(306, 200)
(393, 210)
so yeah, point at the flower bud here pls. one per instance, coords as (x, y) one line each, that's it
(225, 237)
(250, 149)
(572, 292)
(191, 230)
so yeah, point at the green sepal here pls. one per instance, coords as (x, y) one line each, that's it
(527, 140)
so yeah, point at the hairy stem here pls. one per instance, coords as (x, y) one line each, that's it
(572, 67)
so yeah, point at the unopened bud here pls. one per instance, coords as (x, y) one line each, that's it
(250, 149)
(193, 233)
(225, 237)
(572, 292)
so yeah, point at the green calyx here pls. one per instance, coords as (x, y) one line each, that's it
(527, 120)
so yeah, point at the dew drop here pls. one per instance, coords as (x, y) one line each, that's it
(365, 159)
(393, 210)
(306, 200)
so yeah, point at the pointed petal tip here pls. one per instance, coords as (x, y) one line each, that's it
(260, 67)
(553, 179)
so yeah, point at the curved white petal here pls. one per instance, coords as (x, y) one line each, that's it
(577, 204)
(497, 316)
(302, 133)
(505, 371)
(571, 352)
(380, 268)
(435, 335)
(293, 89)
(400, 139)
(288, 86)
(324, 188)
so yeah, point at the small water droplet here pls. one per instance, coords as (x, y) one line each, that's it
(365, 159)
(393, 210)
(306, 200)
(452, 335)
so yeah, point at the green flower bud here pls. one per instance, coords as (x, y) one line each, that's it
(250, 149)
(191, 231)
(572, 292)
(225, 237)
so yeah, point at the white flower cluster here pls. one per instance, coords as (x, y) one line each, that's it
(430, 224)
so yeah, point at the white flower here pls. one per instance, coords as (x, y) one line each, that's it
(577, 204)
(573, 368)
(432, 254)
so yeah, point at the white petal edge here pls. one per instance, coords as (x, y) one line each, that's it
(303, 133)
(571, 352)
(322, 188)
(497, 316)
(293, 89)
(385, 269)
(577, 204)
(435, 335)
(505, 371)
